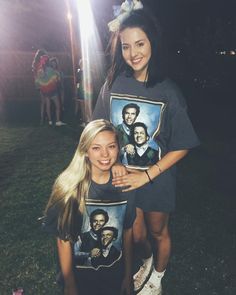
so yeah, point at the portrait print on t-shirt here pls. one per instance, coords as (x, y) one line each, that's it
(138, 122)
(100, 242)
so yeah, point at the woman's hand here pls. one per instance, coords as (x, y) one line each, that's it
(134, 179)
(118, 170)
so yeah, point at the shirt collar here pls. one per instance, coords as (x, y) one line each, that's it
(126, 128)
(105, 252)
(142, 149)
(94, 236)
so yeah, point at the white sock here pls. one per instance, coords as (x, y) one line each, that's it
(156, 277)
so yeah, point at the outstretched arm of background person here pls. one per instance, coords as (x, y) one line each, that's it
(127, 284)
(136, 178)
(65, 258)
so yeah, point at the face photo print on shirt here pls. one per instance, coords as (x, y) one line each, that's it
(138, 147)
(100, 242)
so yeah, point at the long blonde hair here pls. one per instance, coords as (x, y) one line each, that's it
(72, 186)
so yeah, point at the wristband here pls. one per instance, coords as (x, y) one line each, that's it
(148, 177)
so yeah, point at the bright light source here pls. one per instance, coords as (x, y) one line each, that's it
(86, 20)
(90, 43)
(69, 16)
(232, 52)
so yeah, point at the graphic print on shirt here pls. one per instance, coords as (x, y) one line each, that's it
(138, 122)
(100, 242)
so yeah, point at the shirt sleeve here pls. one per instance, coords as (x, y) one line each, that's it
(101, 110)
(50, 221)
(130, 214)
(181, 132)
(183, 135)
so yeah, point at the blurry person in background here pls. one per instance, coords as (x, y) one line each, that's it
(48, 81)
(84, 95)
(35, 68)
(61, 94)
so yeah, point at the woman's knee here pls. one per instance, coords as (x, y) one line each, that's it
(139, 236)
(158, 225)
(160, 234)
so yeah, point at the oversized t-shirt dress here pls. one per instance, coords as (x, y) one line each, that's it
(163, 111)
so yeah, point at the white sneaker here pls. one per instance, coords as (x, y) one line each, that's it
(150, 289)
(143, 274)
(60, 123)
(50, 123)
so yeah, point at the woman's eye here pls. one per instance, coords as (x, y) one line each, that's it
(95, 148)
(124, 47)
(140, 44)
(112, 146)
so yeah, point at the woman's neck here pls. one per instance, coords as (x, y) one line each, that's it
(141, 76)
(101, 177)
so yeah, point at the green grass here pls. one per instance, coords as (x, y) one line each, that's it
(30, 159)
(202, 228)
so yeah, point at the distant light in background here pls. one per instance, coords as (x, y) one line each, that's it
(226, 52)
(90, 43)
(72, 43)
(222, 52)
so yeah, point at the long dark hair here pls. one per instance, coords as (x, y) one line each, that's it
(156, 71)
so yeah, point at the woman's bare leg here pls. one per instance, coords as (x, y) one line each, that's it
(140, 235)
(48, 108)
(42, 108)
(58, 108)
(157, 223)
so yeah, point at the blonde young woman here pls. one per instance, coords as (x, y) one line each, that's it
(92, 219)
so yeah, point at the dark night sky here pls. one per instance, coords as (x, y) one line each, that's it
(32, 23)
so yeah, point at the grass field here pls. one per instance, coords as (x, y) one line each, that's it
(30, 159)
(203, 226)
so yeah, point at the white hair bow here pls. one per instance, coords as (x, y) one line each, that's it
(126, 8)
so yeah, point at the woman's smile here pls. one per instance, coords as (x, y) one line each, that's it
(136, 51)
(103, 152)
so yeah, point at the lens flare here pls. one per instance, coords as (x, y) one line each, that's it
(90, 45)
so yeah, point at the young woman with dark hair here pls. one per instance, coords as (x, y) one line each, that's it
(137, 75)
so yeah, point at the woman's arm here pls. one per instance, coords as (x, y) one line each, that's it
(136, 178)
(166, 162)
(127, 284)
(65, 258)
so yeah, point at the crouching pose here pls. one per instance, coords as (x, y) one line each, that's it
(92, 219)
